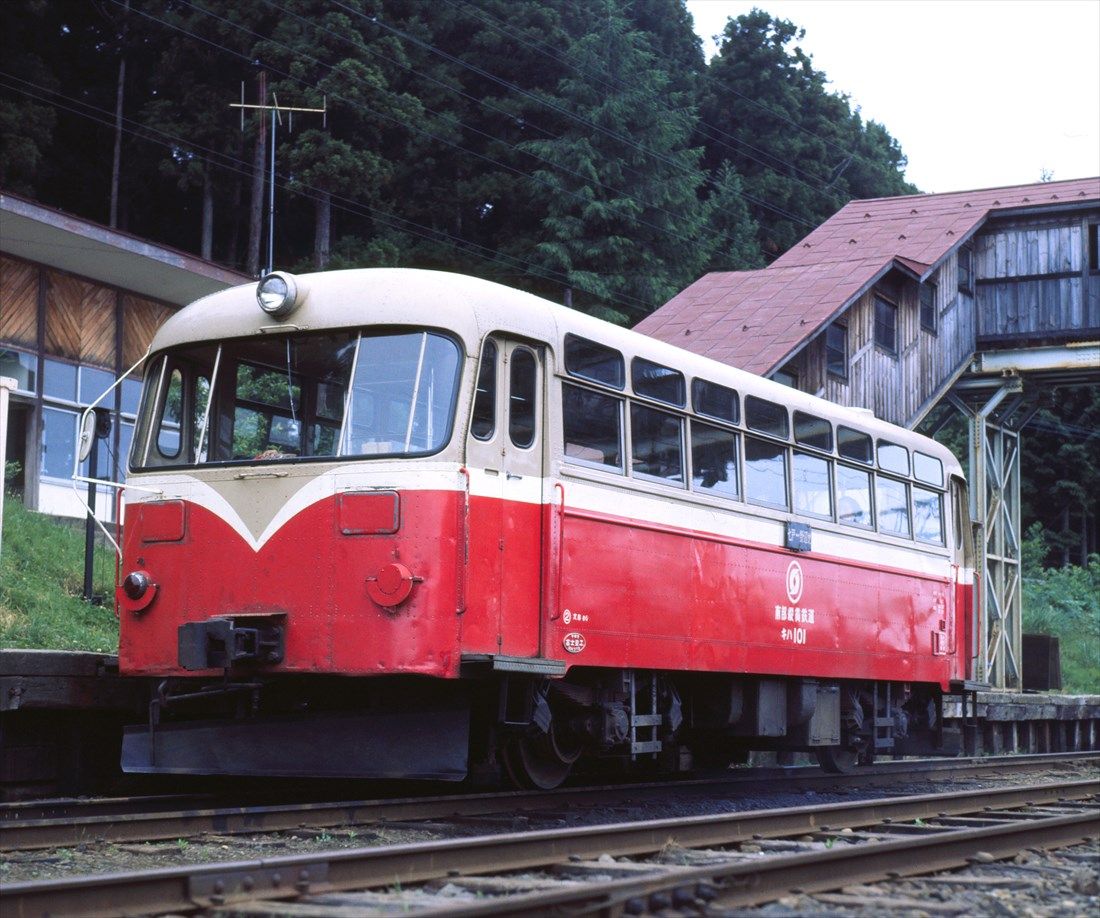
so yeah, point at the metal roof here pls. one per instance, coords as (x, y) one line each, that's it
(59, 240)
(756, 320)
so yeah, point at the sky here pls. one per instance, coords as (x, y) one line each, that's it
(979, 93)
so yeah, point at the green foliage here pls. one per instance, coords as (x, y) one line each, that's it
(1064, 602)
(12, 470)
(41, 582)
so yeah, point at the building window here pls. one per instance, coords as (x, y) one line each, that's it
(786, 378)
(886, 325)
(836, 350)
(966, 269)
(928, 307)
(1094, 247)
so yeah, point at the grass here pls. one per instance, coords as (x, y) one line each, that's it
(41, 582)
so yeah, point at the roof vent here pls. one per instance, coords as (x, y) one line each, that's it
(806, 245)
(851, 242)
(967, 204)
(867, 216)
(950, 232)
(1027, 200)
(1054, 197)
(902, 236)
(995, 203)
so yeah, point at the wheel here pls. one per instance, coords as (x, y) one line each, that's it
(538, 763)
(836, 760)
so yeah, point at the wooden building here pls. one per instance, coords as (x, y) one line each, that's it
(884, 305)
(79, 304)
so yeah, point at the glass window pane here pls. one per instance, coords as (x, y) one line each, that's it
(125, 438)
(58, 442)
(403, 395)
(851, 444)
(658, 382)
(928, 469)
(836, 350)
(23, 368)
(767, 417)
(592, 424)
(93, 383)
(59, 381)
(928, 515)
(893, 458)
(657, 444)
(810, 483)
(886, 335)
(715, 401)
(765, 472)
(103, 457)
(171, 419)
(811, 431)
(892, 499)
(593, 361)
(853, 496)
(485, 398)
(131, 395)
(522, 400)
(714, 460)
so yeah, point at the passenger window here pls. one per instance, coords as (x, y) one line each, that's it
(592, 424)
(892, 498)
(851, 444)
(811, 431)
(593, 361)
(169, 439)
(714, 460)
(485, 399)
(657, 444)
(853, 496)
(928, 469)
(522, 400)
(811, 485)
(765, 471)
(928, 515)
(767, 417)
(893, 458)
(657, 382)
(715, 401)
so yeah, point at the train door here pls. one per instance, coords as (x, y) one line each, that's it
(505, 463)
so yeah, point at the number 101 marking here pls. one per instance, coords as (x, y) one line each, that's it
(794, 635)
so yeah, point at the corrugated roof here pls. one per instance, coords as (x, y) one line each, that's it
(755, 319)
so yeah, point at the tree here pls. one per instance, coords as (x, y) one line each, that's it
(623, 221)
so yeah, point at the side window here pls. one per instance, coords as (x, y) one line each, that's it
(596, 362)
(485, 399)
(853, 497)
(812, 431)
(928, 515)
(811, 485)
(657, 444)
(658, 382)
(852, 444)
(169, 437)
(886, 325)
(928, 306)
(767, 417)
(765, 472)
(836, 350)
(522, 398)
(714, 460)
(892, 499)
(893, 458)
(715, 401)
(592, 423)
(928, 469)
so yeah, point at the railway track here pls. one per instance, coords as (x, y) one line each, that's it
(696, 863)
(52, 824)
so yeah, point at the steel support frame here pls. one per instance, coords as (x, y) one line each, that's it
(994, 424)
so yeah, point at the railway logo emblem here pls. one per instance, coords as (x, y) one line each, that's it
(794, 582)
(574, 642)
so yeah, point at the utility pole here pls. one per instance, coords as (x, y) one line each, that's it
(276, 118)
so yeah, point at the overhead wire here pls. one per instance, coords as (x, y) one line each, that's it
(347, 205)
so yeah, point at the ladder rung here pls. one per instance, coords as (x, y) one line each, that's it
(646, 720)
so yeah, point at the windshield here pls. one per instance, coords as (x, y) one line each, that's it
(294, 397)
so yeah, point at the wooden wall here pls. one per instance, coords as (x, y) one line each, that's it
(895, 386)
(1033, 282)
(80, 318)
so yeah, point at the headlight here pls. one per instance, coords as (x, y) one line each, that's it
(277, 294)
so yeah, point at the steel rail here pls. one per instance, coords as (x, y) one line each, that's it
(115, 825)
(211, 885)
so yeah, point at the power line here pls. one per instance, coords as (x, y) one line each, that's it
(310, 193)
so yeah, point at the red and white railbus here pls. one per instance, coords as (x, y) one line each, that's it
(396, 522)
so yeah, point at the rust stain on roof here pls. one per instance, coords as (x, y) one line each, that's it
(754, 319)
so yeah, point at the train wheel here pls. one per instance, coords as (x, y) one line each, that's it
(837, 760)
(539, 763)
